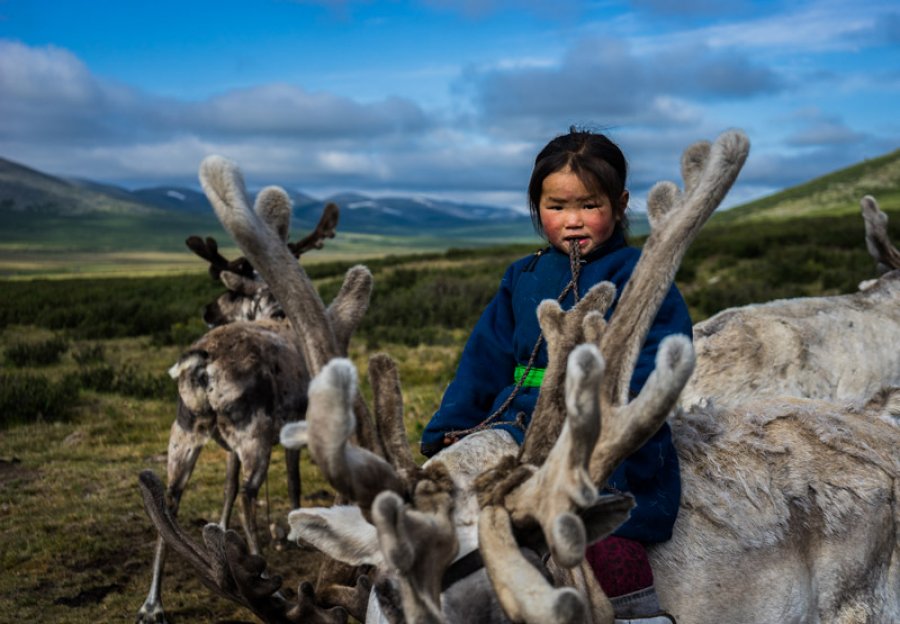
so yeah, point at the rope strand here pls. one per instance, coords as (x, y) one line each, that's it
(575, 269)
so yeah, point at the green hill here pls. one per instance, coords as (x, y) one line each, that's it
(837, 193)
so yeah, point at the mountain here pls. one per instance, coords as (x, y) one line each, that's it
(175, 198)
(48, 212)
(23, 189)
(412, 215)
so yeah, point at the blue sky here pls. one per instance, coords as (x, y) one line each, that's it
(446, 98)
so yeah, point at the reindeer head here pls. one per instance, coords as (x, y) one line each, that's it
(248, 298)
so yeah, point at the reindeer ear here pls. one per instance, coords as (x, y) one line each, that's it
(340, 532)
(239, 284)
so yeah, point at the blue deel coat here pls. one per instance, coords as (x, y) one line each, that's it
(505, 336)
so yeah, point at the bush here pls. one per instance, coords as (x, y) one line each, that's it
(90, 353)
(127, 381)
(26, 398)
(42, 353)
(131, 382)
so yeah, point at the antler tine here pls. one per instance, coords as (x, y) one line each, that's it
(273, 205)
(877, 240)
(419, 541)
(388, 408)
(562, 484)
(348, 307)
(209, 251)
(522, 591)
(675, 221)
(626, 428)
(355, 472)
(224, 186)
(324, 229)
(153, 495)
(562, 332)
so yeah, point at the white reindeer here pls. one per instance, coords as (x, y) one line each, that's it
(789, 509)
(839, 348)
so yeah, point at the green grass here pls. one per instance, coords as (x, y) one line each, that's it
(77, 546)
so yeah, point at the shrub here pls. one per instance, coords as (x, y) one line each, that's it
(89, 353)
(100, 378)
(131, 382)
(127, 381)
(41, 353)
(26, 398)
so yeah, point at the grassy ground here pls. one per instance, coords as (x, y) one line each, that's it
(76, 544)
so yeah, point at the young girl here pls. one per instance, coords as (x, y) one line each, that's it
(577, 197)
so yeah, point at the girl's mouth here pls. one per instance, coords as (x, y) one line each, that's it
(581, 241)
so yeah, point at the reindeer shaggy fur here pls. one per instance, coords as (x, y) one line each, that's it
(790, 514)
(837, 348)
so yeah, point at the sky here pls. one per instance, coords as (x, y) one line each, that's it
(442, 98)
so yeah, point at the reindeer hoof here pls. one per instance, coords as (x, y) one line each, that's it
(278, 535)
(151, 614)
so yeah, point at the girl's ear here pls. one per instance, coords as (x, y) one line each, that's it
(623, 204)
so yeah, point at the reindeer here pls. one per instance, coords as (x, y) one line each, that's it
(245, 378)
(816, 347)
(809, 542)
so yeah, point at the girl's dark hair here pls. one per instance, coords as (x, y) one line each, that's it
(597, 161)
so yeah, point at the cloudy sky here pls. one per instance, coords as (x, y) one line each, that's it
(447, 98)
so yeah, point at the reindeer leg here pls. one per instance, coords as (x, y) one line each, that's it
(232, 474)
(184, 449)
(254, 453)
(292, 458)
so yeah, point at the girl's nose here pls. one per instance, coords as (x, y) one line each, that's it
(573, 219)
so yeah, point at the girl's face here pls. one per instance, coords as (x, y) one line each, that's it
(571, 214)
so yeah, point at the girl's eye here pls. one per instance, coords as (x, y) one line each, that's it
(551, 207)
(591, 206)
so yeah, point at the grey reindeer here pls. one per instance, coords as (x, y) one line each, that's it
(245, 378)
(789, 513)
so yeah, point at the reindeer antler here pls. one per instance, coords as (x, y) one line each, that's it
(226, 566)
(273, 206)
(878, 242)
(324, 229)
(209, 250)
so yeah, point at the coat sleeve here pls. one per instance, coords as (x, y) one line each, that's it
(485, 369)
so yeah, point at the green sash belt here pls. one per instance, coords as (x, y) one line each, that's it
(533, 379)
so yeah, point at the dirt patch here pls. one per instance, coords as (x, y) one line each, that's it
(89, 596)
(12, 470)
